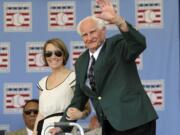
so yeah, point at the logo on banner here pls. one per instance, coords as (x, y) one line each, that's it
(17, 16)
(34, 57)
(149, 14)
(4, 57)
(96, 10)
(155, 91)
(77, 48)
(61, 16)
(15, 96)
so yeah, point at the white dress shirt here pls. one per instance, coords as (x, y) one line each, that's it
(95, 54)
(29, 132)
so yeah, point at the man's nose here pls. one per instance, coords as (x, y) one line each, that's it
(89, 36)
(32, 114)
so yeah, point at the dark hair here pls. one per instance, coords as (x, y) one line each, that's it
(60, 45)
(29, 101)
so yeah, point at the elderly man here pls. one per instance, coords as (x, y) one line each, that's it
(107, 74)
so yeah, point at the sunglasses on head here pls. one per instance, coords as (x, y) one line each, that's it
(28, 112)
(50, 53)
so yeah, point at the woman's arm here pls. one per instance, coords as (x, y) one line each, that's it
(86, 111)
(38, 118)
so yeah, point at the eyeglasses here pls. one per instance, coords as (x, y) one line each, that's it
(50, 53)
(28, 112)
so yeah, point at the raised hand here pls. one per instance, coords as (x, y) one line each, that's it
(108, 12)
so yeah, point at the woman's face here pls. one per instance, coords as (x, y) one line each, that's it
(54, 56)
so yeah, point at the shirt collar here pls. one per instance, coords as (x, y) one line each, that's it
(96, 53)
(29, 132)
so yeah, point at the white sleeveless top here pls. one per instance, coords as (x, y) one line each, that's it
(57, 99)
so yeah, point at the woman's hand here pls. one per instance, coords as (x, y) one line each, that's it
(74, 114)
(54, 131)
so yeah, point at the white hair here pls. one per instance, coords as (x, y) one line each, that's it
(100, 23)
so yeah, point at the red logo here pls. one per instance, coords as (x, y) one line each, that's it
(149, 13)
(17, 16)
(4, 57)
(15, 95)
(77, 48)
(35, 62)
(61, 16)
(155, 91)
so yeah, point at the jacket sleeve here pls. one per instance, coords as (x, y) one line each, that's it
(129, 44)
(79, 100)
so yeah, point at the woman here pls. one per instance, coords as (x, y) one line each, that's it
(56, 89)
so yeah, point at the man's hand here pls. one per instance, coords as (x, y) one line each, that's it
(108, 11)
(110, 15)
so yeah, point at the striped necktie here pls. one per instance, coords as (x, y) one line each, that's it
(91, 74)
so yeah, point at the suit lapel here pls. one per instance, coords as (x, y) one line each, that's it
(102, 56)
(101, 59)
(98, 65)
(97, 70)
(84, 67)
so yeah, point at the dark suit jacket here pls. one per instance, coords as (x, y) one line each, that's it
(119, 96)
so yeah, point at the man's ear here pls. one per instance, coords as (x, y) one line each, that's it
(104, 30)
